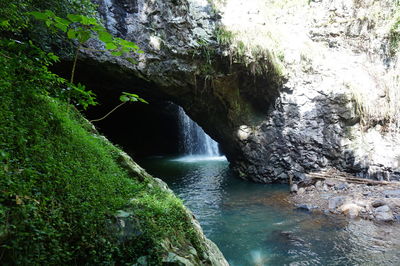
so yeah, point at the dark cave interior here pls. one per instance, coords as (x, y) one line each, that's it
(141, 129)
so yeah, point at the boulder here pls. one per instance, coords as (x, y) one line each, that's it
(378, 203)
(331, 182)
(384, 214)
(294, 188)
(350, 209)
(341, 186)
(335, 202)
(392, 193)
(174, 259)
(301, 191)
(319, 185)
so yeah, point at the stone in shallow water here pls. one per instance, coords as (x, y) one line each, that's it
(306, 207)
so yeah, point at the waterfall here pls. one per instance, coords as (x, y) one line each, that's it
(194, 141)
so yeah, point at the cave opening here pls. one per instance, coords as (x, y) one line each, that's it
(142, 130)
(158, 128)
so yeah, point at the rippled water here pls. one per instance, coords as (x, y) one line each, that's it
(254, 224)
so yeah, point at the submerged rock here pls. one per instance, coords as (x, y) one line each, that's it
(306, 207)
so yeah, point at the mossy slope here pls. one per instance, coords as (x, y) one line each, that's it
(63, 189)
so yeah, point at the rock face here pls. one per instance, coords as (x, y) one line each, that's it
(271, 127)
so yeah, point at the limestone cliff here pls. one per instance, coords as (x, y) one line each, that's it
(298, 85)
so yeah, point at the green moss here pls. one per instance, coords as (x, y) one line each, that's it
(61, 185)
(394, 34)
(224, 37)
(394, 37)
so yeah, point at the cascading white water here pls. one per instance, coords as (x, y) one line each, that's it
(194, 140)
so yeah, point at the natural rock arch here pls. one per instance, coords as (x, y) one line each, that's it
(270, 129)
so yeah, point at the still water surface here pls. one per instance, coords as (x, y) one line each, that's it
(255, 224)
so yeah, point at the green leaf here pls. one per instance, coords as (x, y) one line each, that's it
(130, 94)
(105, 37)
(74, 18)
(131, 60)
(61, 24)
(4, 23)
(50, 14)
(83, 36)
(53, 57)
(88, 21)
(124, 98)
(72, 34)
(116, 53)
(111, 46)
(38, 15)
(143, 100)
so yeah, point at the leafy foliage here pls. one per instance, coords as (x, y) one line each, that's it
(130, 97)
(13, 16)
(27, 64)
(82, 28)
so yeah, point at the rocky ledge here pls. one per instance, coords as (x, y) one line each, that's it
(352, 197)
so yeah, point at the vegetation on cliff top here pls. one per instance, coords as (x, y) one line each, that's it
(282, 33)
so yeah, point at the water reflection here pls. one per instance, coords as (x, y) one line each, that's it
(255, 224)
